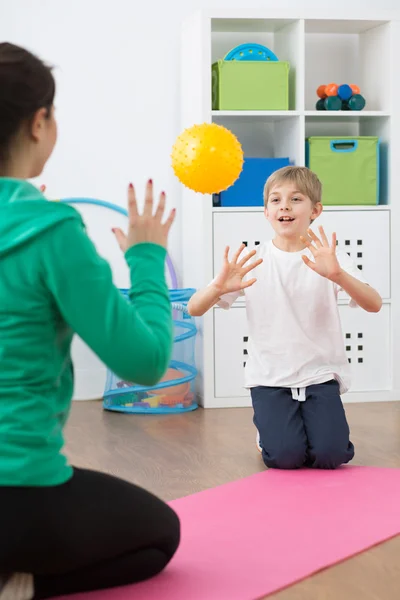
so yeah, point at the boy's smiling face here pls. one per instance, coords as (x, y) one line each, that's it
(290, 211)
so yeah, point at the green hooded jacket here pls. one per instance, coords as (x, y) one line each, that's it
(53, 284)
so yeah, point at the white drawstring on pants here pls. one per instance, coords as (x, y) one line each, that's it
(299, 394)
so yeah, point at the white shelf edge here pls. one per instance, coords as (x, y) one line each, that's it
(346, 113)
(329, 208)
(256, 113)
(334, 114)
(312, 14)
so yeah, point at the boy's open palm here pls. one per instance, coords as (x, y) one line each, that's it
(325, 261)
(232, 273)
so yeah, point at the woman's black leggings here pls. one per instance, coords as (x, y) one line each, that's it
(93, 532)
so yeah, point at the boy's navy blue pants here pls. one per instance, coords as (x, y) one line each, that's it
(295, 433)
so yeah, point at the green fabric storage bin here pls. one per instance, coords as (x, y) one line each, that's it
(347, 167)
(250, 85)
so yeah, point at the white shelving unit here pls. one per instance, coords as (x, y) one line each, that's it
(320, 49)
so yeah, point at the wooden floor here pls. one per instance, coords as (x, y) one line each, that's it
(176, 455)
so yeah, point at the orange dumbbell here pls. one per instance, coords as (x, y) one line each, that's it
(331, 89)
(321, 91)
(355, 88)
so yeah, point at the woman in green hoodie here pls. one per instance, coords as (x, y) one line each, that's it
(65, 530)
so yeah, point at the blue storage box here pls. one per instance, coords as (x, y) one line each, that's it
(249, 187)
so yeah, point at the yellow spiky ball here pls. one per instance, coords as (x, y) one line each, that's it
(207, 158)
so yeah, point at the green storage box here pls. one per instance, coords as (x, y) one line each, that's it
(348, 168)
(250, 85)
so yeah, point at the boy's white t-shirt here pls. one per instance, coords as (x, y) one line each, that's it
(295, 336)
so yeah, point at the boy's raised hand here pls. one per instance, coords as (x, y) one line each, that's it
(230, 279)
(325, 261)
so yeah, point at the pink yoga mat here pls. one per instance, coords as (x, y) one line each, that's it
(247, 539)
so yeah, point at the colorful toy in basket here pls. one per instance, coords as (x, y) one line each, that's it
(172, 395)
(175, 392)
(339, 97)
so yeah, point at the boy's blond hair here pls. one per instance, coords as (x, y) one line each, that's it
(305, 181)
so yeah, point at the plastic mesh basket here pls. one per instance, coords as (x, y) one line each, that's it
(175, 392)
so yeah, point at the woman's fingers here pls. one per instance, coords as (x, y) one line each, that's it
(132, 204)
(121, 238)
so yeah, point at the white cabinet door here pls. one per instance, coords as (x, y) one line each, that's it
(366, 337)
(367, 340)
(234, 228)
(365, 236)
(230, 351)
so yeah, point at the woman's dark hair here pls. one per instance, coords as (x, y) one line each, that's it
(26, 85)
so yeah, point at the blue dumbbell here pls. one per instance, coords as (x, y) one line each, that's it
(344, 92)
